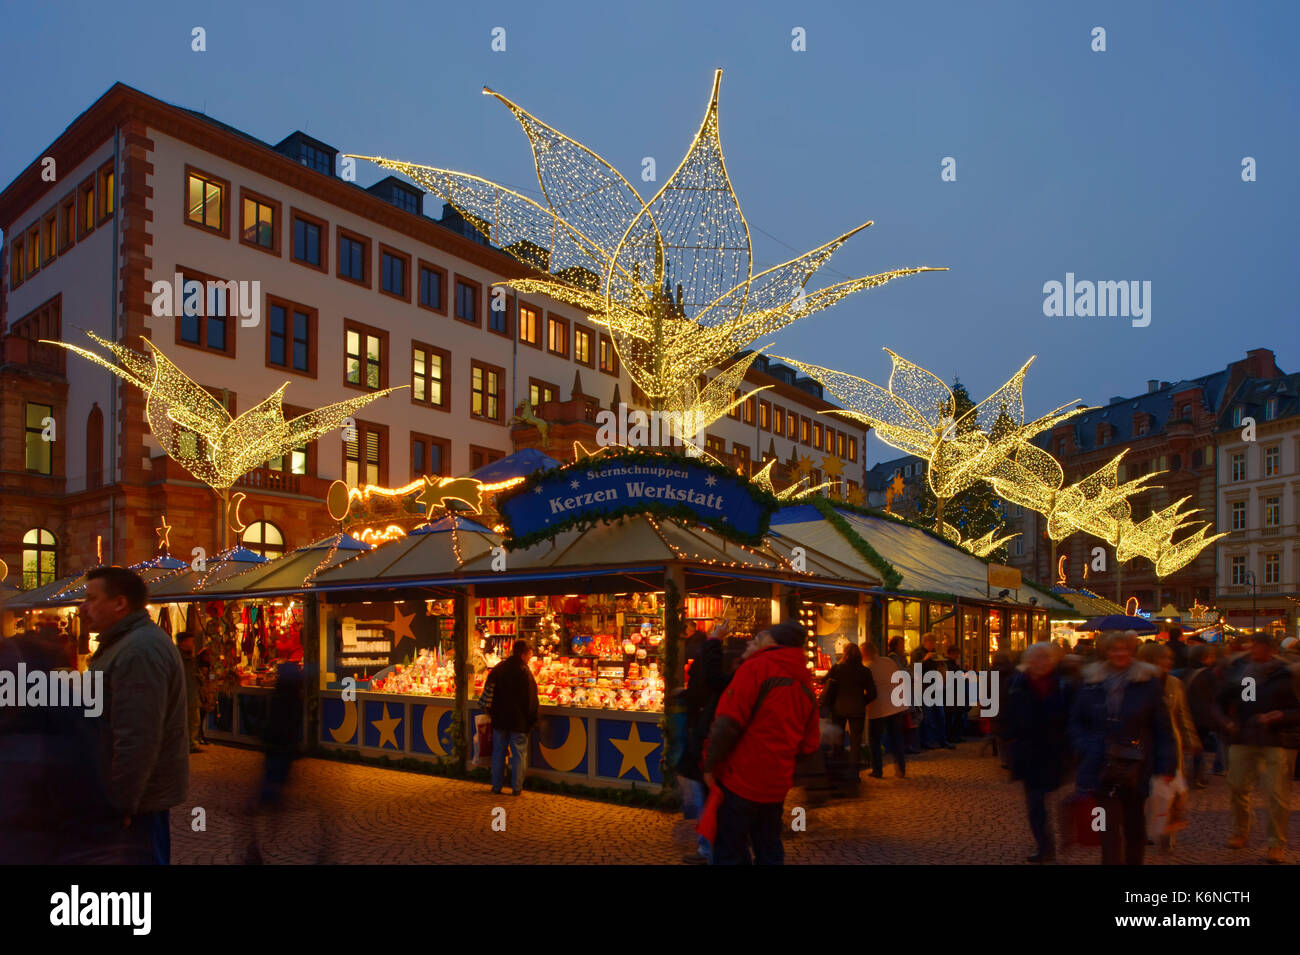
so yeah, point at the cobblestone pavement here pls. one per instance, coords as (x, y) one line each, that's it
(954, 807)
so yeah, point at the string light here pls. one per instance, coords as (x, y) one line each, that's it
(195, 429)
(672, 278)
(371, 535)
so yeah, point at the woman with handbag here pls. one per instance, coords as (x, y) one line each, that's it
(848, 689)
(1119, 727)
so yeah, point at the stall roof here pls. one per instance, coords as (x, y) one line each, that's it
(436, 550)
(193, 585)
(289, 573)
(46, 595)
(519, 464)
(925, 562)
(1086, 603)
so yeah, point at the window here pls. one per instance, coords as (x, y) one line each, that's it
(365, 356)
(1238, 570)
(67, 223)
(1018, 547)
(1239, 466)
(741, 452)
(291, 336)
(736, 404)
(40, 558)
(16, 273)
(204, 319)
(541, 391)
(1270, 409)
(485, 391)
(1207, 456)
(107, 192)
(42, 322)
(557, 336)
(1272, 568)
(1237, 414)
(715, 445)
(354, 257)
(530, 325)
(295, 462)
(432, 282)
(805, 430)
(467, 300)
(40, 451)
(430, 376)
(429, 456)
(95, 447)
(1186, 413)
(365, 459)
(584, 353)
(1272, 461)
(481, 457)
(764, 415)
(309, 240)
(86, 207)
(259, 224)
(206, 198)
(1272, 512)
(314, 158)
(747, 411)
(817, 436)
(778, 421)
(394, 267)
(608, 356)
(907, 471)
(264, 538)
(1238, 515)
(853, 449)
(1060, 446)
(34, 249)
(50, 237)
(499, 312)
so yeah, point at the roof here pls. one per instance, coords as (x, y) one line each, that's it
(190, 584)
(1087, 603)
(925, 562)
(1119, 413)
(1252, 396)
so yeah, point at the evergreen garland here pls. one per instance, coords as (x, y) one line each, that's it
(890, 577)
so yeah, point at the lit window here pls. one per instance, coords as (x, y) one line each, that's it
(364, 359)
(258, 226)
(428, 375)
(485, 392)
(206, 198)
(40, 450)
(530, 325)
(40, 558)
(264, 538)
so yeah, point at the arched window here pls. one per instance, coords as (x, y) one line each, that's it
(264, 538)
(95, 448)
(40, 558)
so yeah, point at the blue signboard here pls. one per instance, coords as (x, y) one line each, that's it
(640, 483)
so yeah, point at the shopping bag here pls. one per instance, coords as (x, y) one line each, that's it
(483, 740)
(708, 824)
(1076, 815)
(1166, 806)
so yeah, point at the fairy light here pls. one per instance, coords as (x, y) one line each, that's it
(195, 429)
(372, 535)
(916, 414)
(672, 278)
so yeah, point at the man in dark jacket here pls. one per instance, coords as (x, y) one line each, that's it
(1037, 716)
(934, 718)
(1202, 682)
(143, 731)
(1177, 647)
(1119, 727)
(704, 685)
(514, 714)
(766, 719)
(1255, 704)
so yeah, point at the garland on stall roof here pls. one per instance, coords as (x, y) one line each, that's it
(613, 458)
(890, 578)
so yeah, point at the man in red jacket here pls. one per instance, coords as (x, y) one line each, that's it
(767, 717)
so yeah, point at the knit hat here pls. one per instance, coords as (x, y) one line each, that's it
(788, 634)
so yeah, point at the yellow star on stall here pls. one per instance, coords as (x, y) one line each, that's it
(803, 467)
(163, 532)
(855, 496)
(832, 466)
(634, 753)
(580, 451)
(402, 625)
(387, 728)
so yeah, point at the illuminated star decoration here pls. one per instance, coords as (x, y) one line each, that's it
(916, 415)
(437, 491)
(387, 727)
(195, 429)
(164, 532)
(672, 278)
(402, 624)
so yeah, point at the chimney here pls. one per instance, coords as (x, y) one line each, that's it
(1153, 384)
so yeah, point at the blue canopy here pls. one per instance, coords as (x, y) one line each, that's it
(1119, 621)
(444, 525)
(520, 464)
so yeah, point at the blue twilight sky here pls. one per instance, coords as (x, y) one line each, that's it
(1122, 165)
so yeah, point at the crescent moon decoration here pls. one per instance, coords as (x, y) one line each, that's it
(348, 728)
(4, 570)
(565, 759)
(432, 717)
(1060, 570)
(1133, 603)
(232, 513)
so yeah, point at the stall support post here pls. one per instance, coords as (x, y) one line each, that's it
(786, 604)
(460, 716)
(674, 722)
(312, 620)
(862, 618)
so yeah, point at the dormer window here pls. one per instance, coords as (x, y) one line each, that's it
(1270, 409)
(1237, 414)
(314, 158)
